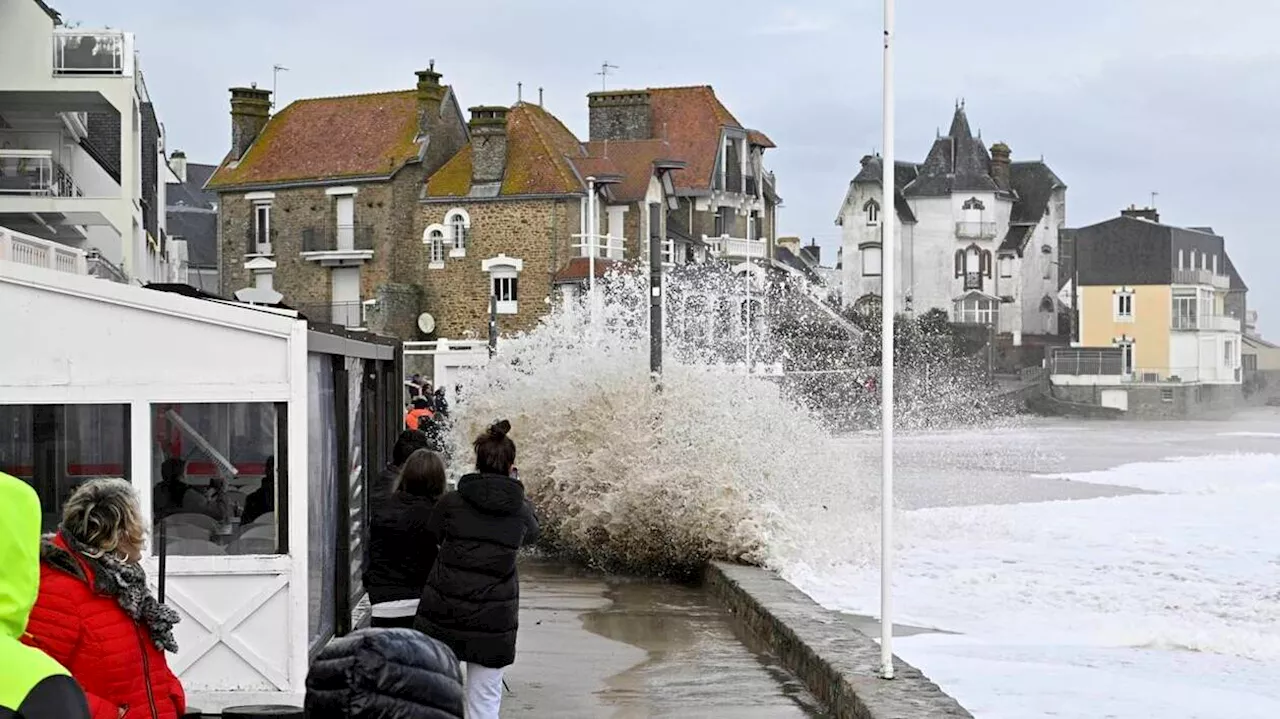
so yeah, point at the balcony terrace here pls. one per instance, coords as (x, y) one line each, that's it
(92, 52)
(338, 245)
(976, 230)
(737, 247)
(1201, 277)
(35, 252)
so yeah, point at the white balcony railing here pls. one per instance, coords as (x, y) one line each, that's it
(608, 247)
(976, 230)
(92, 52)
(1201, 277)
(27, 250)
(725, 246)
(35, 173)
(1211, 323)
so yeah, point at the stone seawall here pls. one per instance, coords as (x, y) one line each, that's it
(839, 664)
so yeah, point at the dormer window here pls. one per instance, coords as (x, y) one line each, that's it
(872, 211)
(459, 224)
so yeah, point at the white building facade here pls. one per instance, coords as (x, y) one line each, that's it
(82, 159)
(977, 235)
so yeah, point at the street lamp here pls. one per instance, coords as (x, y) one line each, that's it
(887, 307)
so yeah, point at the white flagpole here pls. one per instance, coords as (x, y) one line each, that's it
(590, 231)
(888, 304)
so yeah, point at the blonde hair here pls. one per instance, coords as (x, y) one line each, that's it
(104, 514)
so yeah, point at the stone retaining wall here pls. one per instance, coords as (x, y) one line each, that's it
(839, 664)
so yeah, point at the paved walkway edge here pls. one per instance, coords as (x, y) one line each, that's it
(839, 664)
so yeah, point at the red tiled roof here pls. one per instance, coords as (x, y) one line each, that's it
(755, 137)
(329, 137)
(632, 159)
(540, 156)
(690, 119)
(577, 268)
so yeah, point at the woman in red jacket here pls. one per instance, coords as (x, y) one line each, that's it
(94, 614)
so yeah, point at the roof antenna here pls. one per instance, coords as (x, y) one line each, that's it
(539, 97)
(275, 73)
(431, 64)
(1154, 195)
(605, 67)
(519, 92)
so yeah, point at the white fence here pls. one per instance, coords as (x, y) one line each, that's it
(27, 250)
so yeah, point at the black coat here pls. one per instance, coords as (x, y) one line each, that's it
(401, 546)
(384, 674)
(472, 598)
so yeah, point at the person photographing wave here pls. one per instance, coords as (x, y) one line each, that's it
(471, 600)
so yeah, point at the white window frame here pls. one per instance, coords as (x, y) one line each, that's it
(262, 224)
(1122, 306)
(1128, 361)
(504, 268)
(983, 310)
(871, 210)
(865, 254)
(1006, 267)
(458, 224)
(434, 238)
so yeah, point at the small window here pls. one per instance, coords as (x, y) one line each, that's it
(974, 203)
(217, 483)
(1046, 304)
(459, 230)
(668, 251)
(1166, 394)
(436, 241)
(1124, 306)
(262, 223)
(1006, 267)
(1229, 353)
(56, 448)
(1126, 348)
(505, 285)
(872, 262)
(872, 210)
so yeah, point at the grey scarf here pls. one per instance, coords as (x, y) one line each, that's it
(127, 584)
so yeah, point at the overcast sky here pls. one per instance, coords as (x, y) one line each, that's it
(1122, 99)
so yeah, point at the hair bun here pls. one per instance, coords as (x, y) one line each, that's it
(499, 429)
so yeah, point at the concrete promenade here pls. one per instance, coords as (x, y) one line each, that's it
(598, 647)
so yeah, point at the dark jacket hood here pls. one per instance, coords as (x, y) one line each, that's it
(492, 493)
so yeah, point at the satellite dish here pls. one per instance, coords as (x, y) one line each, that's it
(426, 323)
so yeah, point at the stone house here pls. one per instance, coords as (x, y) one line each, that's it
(318, 203)
(506, 216)
(977, 235)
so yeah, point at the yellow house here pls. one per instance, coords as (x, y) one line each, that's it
(1261, 355)
(1136, 318)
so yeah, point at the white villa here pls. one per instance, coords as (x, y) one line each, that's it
(977, 235)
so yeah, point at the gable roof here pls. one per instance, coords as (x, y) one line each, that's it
(192, 193)
(903, 173)
(347, 137)
(540, 156)
(690, 120)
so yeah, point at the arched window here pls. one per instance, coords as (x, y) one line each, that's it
(974, 203)
(986, 263)
(458, 227)
(1046, 304)
(436, 241)
(867, 306)
(872, 210)
(458, 223)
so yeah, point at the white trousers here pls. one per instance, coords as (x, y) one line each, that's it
(484, 692)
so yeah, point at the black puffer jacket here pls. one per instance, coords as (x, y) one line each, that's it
(401, 547)
(385, 674)
(472, 598)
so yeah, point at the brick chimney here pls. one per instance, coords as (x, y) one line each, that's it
(1000, 165)
(430, 96)
(1141, 213)
(488, 144)
(250, 110)
(619, 115)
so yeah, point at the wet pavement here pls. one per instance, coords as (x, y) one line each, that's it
(595, 646)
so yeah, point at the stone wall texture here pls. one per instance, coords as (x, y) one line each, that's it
(536, 231)
(839, 664)
(1161, 402)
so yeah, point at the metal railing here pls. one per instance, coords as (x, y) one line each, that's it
(1216, 323)
(104, 269)
(726, 246)
(1201, 277)
(335, 238)
(35, 173)
(976, 230)
(90, 52)
(343, 314)
(606, 247)
(972, 281)
(1087, 362)
(27, 250)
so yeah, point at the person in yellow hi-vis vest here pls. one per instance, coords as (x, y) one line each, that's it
(32, 685)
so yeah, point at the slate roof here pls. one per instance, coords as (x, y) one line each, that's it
(540, 156)
(53, 14)
(957, 162)
(1033, 184)
(903, 173)
(1237, 282)
(192, 193)
(1017, 237)
(353, 136)
(790, 259)
(199, 227)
